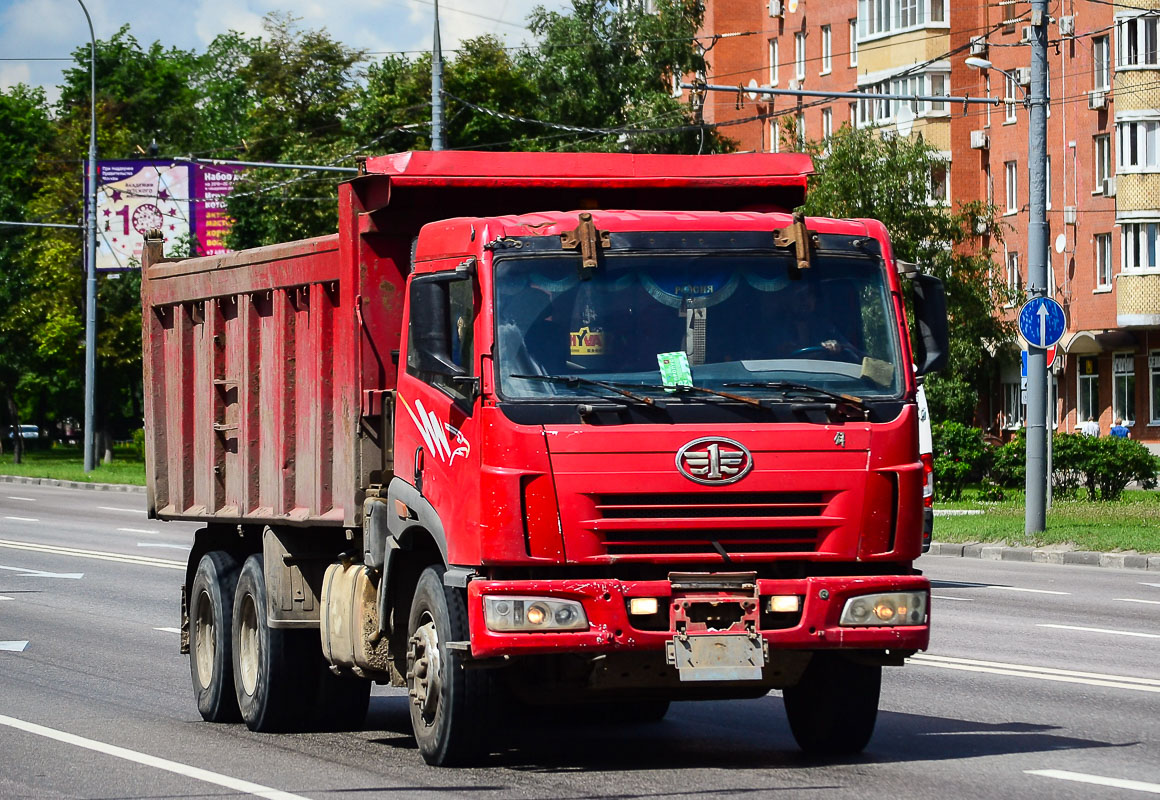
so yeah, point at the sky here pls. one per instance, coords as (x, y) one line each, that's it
(48, 29)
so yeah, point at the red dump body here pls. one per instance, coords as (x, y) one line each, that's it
(263, 367)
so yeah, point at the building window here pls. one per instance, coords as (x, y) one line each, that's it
(1103, 260)
(1009, 89)
(773, 60)
(774, 135)
(1012, 406)
(1102, 146)
(827, 43)
(853, 114)
(799, 56)
(1014, 277)
(1138, 245)
(1101, 63)
(1154, 369)
(884, 17)
(1124, 387)
(908, 13)
(1088, 400)
(853, 44)
(940, 185)
(1011, 168)
(1136, 41)
(937, 11)
(827, 127)
(990, 184)
(1138, 147)
(938, 86)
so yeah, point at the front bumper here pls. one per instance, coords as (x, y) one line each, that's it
(611, 629)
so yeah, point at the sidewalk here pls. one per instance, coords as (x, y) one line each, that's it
(101, 487)
(1085, 558)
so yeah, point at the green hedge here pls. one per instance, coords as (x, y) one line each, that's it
(1103, 465)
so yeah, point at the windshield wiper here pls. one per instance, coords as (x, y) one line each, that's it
(684, 387)
(803, 388)
(576, 380)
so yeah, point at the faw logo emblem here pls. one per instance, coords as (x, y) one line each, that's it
(714, 460)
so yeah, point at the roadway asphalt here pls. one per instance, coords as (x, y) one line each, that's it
(1041, 681)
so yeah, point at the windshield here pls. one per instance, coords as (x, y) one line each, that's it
(743, 322)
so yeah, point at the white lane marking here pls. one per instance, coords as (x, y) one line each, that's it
(139, 530)
(1038, 673)
(13, 647)
(1021, 589)
(1134, 600)
(1098, 780)
(99, 555)
(948, 597)
(25, 499)
(168, 630)
(127, 510)
(1157, 585)
(178, 768)
(159, 544)
(1099, 630)
(4, 597)
(22, 519)
(39, 573)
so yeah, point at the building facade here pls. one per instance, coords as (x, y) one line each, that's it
(1103, 151)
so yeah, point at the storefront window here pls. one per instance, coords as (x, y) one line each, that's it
(1088, 402)
(1124, 387)
(1154, 368)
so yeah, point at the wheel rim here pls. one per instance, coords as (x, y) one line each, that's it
(248, 647)
(425, 669)
(204, 639)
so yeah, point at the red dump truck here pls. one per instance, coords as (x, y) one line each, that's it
(592, 429)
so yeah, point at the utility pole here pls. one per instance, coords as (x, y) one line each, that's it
(436, 88)
(1036, 502)
(91, 261)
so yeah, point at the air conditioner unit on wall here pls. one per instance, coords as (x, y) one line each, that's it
(1097, 99)
(1022, 75)
(978, 45)
(1110, 186)
(980, 140)
(775, 8)
(1066, 26)
(1027, 34)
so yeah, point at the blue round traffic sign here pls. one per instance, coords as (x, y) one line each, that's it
(1041, 322)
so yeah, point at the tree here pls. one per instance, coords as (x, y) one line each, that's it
(867, 174)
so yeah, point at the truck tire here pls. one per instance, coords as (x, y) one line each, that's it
(833, 708)
(272, 679)
(211, 612)
(448, 703)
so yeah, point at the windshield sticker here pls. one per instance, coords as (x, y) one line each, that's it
(675, 370)
(588, 342)
(435, 434)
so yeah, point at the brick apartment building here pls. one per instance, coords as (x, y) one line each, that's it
(1103, 146)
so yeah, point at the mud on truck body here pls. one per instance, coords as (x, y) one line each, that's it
(659, 445)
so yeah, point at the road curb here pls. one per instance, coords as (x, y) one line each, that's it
(1083, 558)
(100, 487)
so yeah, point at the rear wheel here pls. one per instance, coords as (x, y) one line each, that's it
(211, 609)
(271, 671)
(833, 708)
(448, 703)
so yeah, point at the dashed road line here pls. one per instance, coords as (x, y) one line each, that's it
(1099, 630)
(1037, 673)
(949, 597)
(22, 519)
(127, 510)
(1096, 780)
(1021, 589)
(168, 630)
(204, 775)
(13, 647)
(1135, 600)
(139, 530)
(25, 499)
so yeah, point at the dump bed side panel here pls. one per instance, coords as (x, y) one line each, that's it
(251, 402)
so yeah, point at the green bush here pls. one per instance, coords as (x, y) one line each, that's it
(1103, 465)
(1009, 463)
(1069, 460)
(139, 443)
(960, 457)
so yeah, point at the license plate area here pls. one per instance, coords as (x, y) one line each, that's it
(717, 657)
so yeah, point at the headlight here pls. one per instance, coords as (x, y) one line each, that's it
(507, 613)
(895, 608)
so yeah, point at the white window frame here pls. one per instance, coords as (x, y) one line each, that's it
(1103, 243)
(879, 18)
(1014, 276)
(1153, 393)
(1012, 406)
(1140, 245)
(1011, 173)
(1128, 376)
(1137, 40)
(853, 42)
(799, 57)
(1138, 143)
(943, 164)
(774, 59)
(827, 127)
(1084, 397)
(1102, 158)
(827, 54)
(1009, 89)
(775, 135)
(1101, 63)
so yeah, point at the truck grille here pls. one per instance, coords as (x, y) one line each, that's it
(661, 524)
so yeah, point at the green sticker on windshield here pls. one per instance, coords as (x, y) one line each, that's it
(675, 369)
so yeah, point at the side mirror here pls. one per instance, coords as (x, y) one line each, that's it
(930, 315)
(430, 348)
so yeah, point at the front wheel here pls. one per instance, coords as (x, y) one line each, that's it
(833, 708)
(448, 703)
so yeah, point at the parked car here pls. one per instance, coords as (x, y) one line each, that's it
(926, 452)
(26, 432)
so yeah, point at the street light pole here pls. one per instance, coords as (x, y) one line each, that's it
(436, 88)
(91, 259)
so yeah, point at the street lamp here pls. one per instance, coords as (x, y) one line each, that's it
(91, 258)
(1035, 512)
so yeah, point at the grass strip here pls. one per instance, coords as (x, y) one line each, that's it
(64, 463)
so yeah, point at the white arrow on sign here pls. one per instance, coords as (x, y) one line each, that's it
(1042, 313)
(38, 573)
(13, 647)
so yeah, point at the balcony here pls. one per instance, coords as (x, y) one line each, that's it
(1138, 299)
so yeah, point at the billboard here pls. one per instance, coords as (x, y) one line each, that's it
(187, 202)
